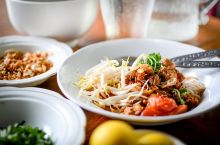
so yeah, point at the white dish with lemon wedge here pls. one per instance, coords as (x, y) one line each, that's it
(116, 132)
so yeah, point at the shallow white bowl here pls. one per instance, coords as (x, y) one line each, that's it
(58, 53)
(66, 19)
(58, 117)
(89, 56)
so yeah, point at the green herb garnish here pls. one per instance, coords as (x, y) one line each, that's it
(153, 60)
(178, 93)
(184, 91)
(19, 134)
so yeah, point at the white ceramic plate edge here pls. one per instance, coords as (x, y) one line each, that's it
(133, 119)
(81, 134)
(36, 80)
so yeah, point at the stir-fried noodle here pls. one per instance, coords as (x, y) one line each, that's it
(150, 87)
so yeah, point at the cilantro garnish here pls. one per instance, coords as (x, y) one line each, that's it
(184, 91)
(153, 59)
(179, 94)
(19, 134)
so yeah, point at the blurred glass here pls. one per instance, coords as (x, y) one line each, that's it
(126, 18)
(178, 19)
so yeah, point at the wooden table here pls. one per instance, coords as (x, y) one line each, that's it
(201, 130)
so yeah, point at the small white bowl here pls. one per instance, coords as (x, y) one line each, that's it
(89, 56)
(58, 117)
(58, 53)
(66, 19)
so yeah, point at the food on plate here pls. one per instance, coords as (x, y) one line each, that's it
(115, 132)
(20, 134)
(151, 86)
(16, 65)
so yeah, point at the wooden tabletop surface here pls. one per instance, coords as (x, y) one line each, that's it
(201, 130)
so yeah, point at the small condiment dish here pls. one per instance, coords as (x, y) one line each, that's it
(57, 53)
(59, 118)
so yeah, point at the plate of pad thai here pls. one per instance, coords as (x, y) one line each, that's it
(150, 90)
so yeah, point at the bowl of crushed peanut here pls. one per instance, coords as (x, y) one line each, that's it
(29, 61)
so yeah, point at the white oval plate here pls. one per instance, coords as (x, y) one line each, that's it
(58, 53)
(58, 117)
(89, 56)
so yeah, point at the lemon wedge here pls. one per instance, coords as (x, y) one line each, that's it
(154, 138)
(113, 132)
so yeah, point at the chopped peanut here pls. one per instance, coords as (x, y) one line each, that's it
(16, 65)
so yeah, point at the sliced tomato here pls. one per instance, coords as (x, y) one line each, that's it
(180, 109)
(159, 105)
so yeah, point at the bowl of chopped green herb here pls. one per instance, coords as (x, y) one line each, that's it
(33, 116)
(21, 134)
